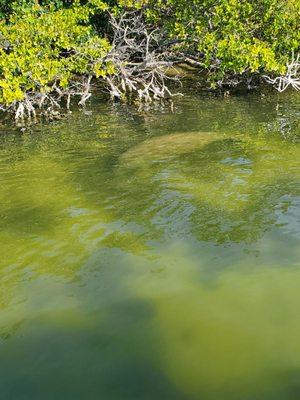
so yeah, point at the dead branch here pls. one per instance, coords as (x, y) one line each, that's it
(139, 59)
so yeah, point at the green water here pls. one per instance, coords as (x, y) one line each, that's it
(153, 254)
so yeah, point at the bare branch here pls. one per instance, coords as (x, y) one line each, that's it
(139, 59)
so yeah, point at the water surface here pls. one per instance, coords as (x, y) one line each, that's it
(153, 254)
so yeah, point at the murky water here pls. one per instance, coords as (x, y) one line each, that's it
(153, 254)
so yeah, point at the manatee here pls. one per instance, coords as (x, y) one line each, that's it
(168, 146)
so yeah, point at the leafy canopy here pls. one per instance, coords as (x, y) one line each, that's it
(44, 45)
(232, 36)
(51, 42)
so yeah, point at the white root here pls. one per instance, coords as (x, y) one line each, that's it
(50, 102)
(86, 94)
(20, 111)
(291, 78)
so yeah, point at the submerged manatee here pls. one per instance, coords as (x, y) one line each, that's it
(168, 146)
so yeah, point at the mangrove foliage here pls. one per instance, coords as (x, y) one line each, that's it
(52, 51)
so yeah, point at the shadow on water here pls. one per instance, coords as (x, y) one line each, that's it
(67, 351)
(129, 329)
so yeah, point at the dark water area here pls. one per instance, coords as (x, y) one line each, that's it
(154, 253)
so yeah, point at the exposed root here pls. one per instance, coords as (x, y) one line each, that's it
(49, 103)
(291, 78)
